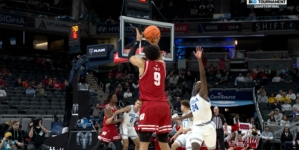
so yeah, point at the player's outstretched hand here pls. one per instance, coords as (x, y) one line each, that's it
(175, 119)
(138, 35)
(173, 138)
(198, 52)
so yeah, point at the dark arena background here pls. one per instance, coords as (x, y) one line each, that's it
(59, 61)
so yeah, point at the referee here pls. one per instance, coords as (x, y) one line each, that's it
(219, 121)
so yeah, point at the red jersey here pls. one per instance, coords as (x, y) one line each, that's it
(152, 81)
(113, 109)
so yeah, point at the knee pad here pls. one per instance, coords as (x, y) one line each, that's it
(145, 136)
(163, 137)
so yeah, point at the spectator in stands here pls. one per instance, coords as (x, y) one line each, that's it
(30, 90)
(18, 83)
(284, 56)
(4, 127)
(277, 78)
(284, 98)
(267, 137)
(277, 115)
(2, 93)
(118, 89)
(110, 21)
(286, 139)
(252, 122)
(16, 135)
(128, 93)
(294, 71)
(177, 105)
(240, 78)
(286, 106)
(202, 7)
(194, 12)
(253, 74)
(284, 121)
(248, 78)
(56, 84)
(263, 98)
(278, 96)
(2, 82)
(168, 94)
(275, 105)
(296, 119)
(39, 89)
(189, 77)
(5, 71)
(259, 48)
(173, 79)
(221, 64)
(295, 111)
(260, 91)
(209, 75)
(25, 84)
(177, 92)
(291, 95)
(271, 98)
(7, 143)
(271, 120)
(37, 135)
(297, 103)
(236, 118)
(287, 78)
(218, 76)
(267, 71)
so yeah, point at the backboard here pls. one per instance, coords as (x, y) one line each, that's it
(127, 37)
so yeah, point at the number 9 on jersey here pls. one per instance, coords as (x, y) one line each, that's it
(157, 78)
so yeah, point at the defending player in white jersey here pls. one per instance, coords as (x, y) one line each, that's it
(203, 128)
(185, 128)
(127, 130)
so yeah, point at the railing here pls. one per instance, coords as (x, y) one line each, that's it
(259, 115)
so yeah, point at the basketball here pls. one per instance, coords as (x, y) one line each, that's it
(150, 32)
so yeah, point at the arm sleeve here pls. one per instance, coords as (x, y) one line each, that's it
(133, 49)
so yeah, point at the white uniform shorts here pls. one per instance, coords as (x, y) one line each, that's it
(181, 139)
(200, 134)
(128, 132)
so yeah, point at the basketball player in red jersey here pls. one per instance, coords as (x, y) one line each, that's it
(155, 112)
(109, 131)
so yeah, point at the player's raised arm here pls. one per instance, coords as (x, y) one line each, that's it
(203, 80)
(138, 62)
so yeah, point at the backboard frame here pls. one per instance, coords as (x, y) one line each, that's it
(121, 41)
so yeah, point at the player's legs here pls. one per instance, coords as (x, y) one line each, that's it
(163, 141)
(117, 144)
(147, 123)
(145, 138)
(195, 138)
(210, 136)
(136, 143)
(179, 141)
(124, 135)
(133, 135)
(164, 124)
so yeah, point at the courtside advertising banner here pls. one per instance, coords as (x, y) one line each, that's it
(12, 19)
(219, 27)
(53, 25)
(114, 28)
(235, 95)
(274, 25)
